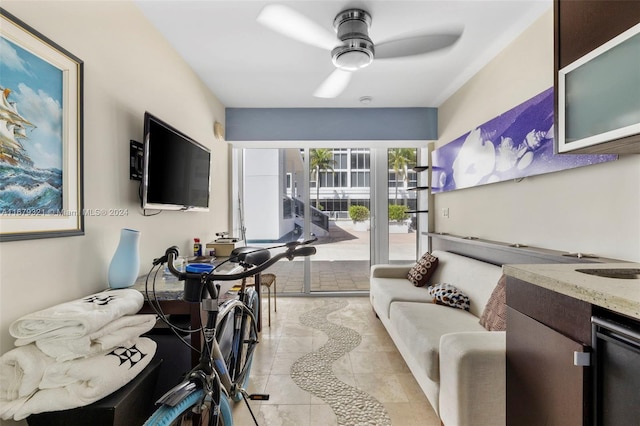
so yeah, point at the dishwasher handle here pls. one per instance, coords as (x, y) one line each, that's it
(617, 328)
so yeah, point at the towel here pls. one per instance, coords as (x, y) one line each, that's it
(117, 333)
(80, 382)
(21, 371)
(76, 318)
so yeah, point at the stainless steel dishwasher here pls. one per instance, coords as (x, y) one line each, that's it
(616, 372)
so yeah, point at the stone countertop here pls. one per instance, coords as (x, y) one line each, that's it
(167, 287)
(616, 294)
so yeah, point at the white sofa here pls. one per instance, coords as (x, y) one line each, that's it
(459, 365)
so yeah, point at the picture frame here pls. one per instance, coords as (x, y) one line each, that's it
(514, 145)
(41, 135)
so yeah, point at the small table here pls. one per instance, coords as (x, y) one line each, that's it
(168, 294)
(131, 404)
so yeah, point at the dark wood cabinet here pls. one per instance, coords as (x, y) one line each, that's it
(543, 385)
(580, 27)
(583, 25)
(545, 331)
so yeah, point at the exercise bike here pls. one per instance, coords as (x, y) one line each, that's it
(230, 336)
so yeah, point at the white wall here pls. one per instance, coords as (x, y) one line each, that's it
(594, 209)
(262, 190)
(129, 68)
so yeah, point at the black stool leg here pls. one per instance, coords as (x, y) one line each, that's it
(269, 304)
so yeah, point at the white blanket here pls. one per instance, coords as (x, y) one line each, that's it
(117, 333)
(71, 384)
(76, 318)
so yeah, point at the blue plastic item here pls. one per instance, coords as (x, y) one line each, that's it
(199, 268)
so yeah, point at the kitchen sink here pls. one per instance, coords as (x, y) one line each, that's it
(621, 273)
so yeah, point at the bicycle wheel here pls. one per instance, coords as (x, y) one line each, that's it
(184, 413)
(247, 341)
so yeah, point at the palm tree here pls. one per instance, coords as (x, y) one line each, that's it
(400, 159)
(320, 159)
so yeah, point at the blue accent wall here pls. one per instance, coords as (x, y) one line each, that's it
(285, 124)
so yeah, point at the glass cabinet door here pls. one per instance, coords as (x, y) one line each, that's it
(599, 94)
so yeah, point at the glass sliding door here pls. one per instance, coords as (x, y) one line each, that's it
(403, 196)
(362, 204)
(273, 187)
(339, 188)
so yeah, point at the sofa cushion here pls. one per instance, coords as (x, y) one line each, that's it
(475, 278)
(494, 316)
(423, 269)
(449, 295)
(384, 291)
(420, 326)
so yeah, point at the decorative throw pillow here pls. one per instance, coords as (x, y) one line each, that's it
(449, 295)
(421, 272)
(494, 316)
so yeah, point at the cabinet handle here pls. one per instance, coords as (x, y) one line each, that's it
(581, 359)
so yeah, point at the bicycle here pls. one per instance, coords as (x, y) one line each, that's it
(230, 336)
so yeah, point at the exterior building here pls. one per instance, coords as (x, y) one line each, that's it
(344, 180)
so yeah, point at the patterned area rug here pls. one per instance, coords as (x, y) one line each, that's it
(313, 372)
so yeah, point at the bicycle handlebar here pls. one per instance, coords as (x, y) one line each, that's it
(246, 256)
(255, 269)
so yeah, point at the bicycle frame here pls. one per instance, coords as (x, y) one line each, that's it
(225, 309)
(211, 373)
(211, 380)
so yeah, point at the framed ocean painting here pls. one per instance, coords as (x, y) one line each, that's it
(41, 135)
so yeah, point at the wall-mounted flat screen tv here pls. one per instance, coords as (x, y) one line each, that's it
(176, 172)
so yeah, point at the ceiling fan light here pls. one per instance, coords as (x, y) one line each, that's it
(353, 55)
(352, 60)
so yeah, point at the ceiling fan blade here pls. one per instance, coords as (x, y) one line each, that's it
(333, 85)
(417, 45)
(291, 23)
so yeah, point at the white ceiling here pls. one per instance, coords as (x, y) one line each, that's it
(249, 66)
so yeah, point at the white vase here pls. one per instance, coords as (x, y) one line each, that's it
(125, 264)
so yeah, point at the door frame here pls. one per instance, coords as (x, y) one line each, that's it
(379, 234)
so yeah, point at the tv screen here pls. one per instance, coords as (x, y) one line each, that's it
(176, 169)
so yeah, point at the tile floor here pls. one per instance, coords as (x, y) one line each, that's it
(375, 366)
(342, 260)
(339, 275)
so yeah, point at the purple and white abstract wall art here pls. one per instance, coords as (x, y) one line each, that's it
(516, 144)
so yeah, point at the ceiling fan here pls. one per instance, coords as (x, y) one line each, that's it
(352, 50)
